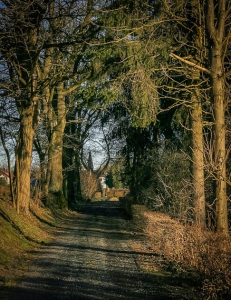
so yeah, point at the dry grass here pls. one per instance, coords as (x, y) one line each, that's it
(205, 252)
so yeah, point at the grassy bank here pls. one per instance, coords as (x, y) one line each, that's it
(21, 235)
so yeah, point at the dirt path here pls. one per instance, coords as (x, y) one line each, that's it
(92, 258)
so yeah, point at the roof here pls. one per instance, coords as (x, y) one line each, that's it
(4, 172)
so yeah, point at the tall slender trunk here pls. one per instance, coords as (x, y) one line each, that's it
(220, 152)
(197, 122)
(42, 159)
(69, 159)
(216, 28)
(78, 192)
(198, 160)
(8, 164)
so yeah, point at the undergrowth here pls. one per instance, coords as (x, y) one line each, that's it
(203, 252)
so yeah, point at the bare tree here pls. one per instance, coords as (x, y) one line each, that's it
(40, 55)
(216, 32)
(20, 46)
(218, 18)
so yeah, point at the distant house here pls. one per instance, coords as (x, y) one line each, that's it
(102, 180)
(4, 174)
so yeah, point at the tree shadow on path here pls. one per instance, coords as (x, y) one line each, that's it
(91, 259)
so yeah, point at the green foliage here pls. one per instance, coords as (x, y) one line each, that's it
(133, 59)
(2, 181)
(116, 175)
(139, 141)
(109, 180)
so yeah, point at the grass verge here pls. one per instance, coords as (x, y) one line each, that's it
(22, 235)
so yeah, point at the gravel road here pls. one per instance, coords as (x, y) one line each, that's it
(91, 258)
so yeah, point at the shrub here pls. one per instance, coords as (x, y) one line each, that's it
(2, 181)
(204, 252)
(56, 200)
(169, 187)
(89, 184)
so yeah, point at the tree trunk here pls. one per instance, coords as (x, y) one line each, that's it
(197, 121)
(9, 166)
(42, 159)
(55, 153)
(70, 176)
(55, 156)
(198, 160)
(216, 29)
(220, 152)
(78, 179)
(23, 158)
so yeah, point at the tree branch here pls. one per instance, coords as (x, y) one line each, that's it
(189, 63)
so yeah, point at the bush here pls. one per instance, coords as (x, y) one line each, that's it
(169, 187)
(56, 200)
(2, 181)
(89, 184)
(206, 253)
(126, 203)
